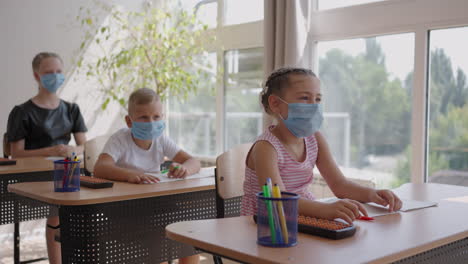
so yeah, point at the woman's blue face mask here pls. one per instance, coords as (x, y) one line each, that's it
(52, 81)
(148, 130)
(303, 119)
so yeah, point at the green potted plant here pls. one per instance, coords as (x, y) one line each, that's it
(154, 48)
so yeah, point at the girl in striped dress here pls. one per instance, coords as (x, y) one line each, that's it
(288, 151)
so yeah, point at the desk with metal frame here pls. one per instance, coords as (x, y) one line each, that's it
(15, 209)
(125, 223)
(431, 235)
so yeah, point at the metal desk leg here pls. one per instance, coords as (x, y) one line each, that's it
(16, 245)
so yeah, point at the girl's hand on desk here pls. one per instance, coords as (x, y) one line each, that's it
(345, 209)
(177, 171)
(386, 197)
(143, 178)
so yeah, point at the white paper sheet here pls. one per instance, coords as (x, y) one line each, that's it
(204, 173)
(54, 158)
(374, 209)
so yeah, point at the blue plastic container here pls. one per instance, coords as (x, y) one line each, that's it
(284, 226)
(66, 176)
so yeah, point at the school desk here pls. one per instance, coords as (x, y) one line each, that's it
(15, 209)
(431, 235)
(125, 223)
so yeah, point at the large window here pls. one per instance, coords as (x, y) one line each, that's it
(192, 122)
(243, 82)
(225, 112)
(367, 90)
(205, 10)
(448, 107)
(393, 81)
(393, 75)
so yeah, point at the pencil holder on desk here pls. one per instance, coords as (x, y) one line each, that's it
(66, 176)
(277, 220)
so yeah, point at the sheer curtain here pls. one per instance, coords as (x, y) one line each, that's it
(286, 30)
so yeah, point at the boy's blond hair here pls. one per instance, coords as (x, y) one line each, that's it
(142, 96)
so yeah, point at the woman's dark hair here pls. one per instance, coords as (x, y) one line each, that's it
(277, 80)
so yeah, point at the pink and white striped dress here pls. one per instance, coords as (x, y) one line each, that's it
(296, 176)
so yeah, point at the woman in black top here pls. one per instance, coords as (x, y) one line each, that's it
(43, 125)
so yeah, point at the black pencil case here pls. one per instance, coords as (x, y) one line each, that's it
(325, 228)
(5, 161)
(95, 183)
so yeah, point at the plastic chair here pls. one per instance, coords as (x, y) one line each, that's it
(229, 178)
(92, 150)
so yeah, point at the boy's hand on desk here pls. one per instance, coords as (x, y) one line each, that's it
(345, 209)
(386, 197)
(143, 178)
(177, 171)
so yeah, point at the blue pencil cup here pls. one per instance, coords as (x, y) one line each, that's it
(66, 176)
(277, 220)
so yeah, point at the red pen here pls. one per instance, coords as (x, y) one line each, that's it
(65, 172)
(365, 218)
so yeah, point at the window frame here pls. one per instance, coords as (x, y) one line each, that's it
(394, 17)
(229, 37)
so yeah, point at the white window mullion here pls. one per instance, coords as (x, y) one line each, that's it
(220, 113)
(221, 13)
(420, 101)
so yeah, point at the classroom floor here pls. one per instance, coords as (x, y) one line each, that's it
(33, 244)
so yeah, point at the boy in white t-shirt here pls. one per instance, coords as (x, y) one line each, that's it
(131, 152)
(141, 148)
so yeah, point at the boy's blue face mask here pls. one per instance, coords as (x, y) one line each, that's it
(148, 130)
(303, 119)
(52, 81)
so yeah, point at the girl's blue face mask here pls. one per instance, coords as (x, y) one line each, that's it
(148, 130)
(52, 81)
(303, 119)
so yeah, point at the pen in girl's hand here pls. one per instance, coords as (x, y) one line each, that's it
(365, 218)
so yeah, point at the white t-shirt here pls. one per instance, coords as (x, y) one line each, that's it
(127, 154)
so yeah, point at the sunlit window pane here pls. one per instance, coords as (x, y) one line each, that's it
(207, 13)
(330, 4)
(243, 11)
(367, 87)
(243, 81)
(448, 107)
(192, 122)
(205, 10)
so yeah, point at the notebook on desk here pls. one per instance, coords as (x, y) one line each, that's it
(374, 209)
(203, 173)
